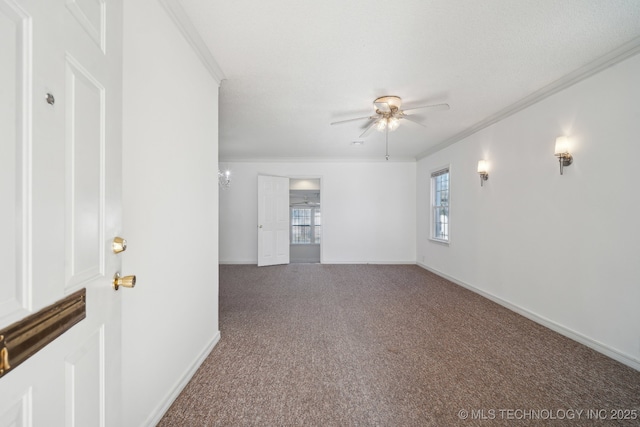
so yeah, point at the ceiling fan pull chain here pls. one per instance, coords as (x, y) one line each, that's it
(386, 137)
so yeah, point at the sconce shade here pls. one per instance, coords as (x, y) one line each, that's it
(562, 145)
(562, 152)
(482, 166)
(483, 170)
(224, 179)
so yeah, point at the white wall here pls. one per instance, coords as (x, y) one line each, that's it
(170, 319)
(368, 210)
(564, 250)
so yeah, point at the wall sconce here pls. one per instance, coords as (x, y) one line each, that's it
(224, 179)
(483, 170)
(562, 152)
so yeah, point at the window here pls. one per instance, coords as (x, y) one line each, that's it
(305, 225)
(440, 205)
(300, 225)
(317, 223)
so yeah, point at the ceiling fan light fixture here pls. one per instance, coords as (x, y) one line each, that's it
(381, 124)
(393, 123)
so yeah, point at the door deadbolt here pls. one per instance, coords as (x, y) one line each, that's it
(119, 245)
(126, 281)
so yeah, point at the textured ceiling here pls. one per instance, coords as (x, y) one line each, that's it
(294, 66)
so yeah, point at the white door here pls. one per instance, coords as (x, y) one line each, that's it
(273, 220)
(60, 190)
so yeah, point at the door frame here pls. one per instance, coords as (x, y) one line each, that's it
(322, 208)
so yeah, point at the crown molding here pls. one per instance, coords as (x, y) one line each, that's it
(617, 55)
(185, 25)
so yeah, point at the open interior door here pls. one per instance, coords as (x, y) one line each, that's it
(60, 186)
(273, 220)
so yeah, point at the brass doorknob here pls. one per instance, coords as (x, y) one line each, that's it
(119, 245)
(126, 281)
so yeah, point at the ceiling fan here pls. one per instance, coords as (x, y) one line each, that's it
(388, 114)
(304, 201)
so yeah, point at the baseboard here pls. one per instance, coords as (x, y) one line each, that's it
(245, 262)
(157, 414)
(254, 262)
(369, 262)
(582, 339)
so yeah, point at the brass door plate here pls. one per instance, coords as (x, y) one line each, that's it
(26, 337)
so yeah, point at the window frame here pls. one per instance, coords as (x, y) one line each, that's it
(435, 173)
(317, 226)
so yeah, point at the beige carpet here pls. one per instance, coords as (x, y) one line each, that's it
(373, 345)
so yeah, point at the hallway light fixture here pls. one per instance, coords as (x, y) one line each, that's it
(483, 170)
(562, 152)
(224, 179)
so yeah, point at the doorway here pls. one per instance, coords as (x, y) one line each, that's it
(306, 220)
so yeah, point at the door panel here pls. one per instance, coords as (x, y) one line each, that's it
(85, 174)
(282, 245)
(84, 378)
(63, 187)
(91, 16)
(267, 247)
(17, 410)
(14, 173)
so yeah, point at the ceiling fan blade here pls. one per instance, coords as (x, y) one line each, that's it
(369, 128)
(436, 107)
(351, 120)
(416, 121)
(383, 107)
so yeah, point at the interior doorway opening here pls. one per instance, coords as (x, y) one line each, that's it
(305, 220)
